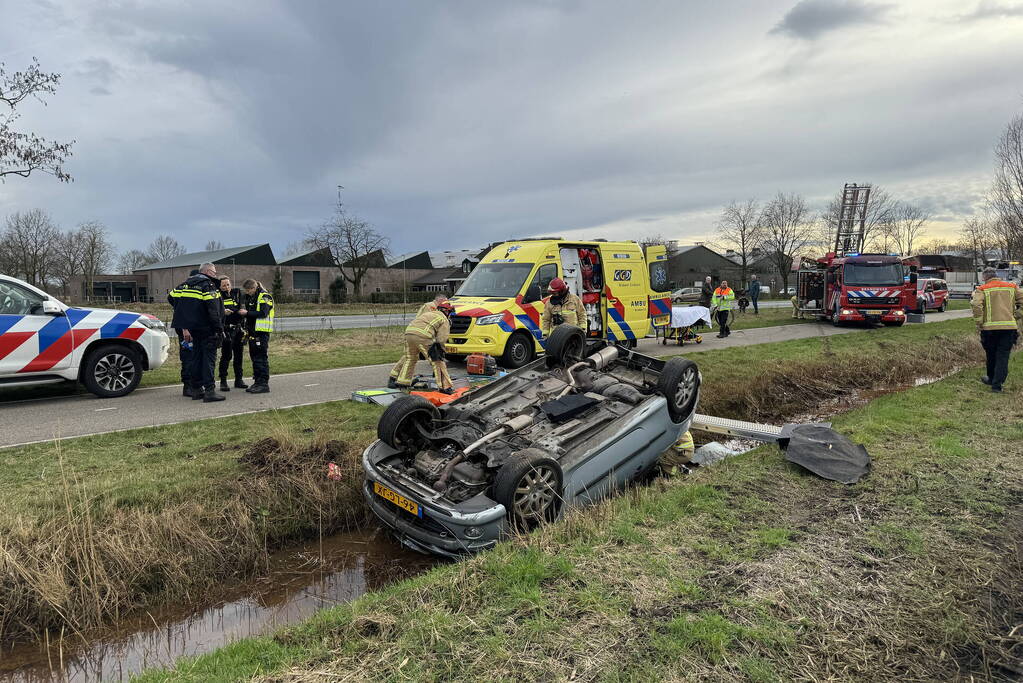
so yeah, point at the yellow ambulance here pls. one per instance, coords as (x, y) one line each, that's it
(497, 309)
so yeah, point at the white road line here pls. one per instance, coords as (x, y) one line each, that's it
(100, 410)
(311, 385)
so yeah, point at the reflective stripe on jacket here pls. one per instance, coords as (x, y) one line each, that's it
(571, 310)
(723, 298)
(197, 304)
(264, 322)
(996, 304)
(685, 442)
(431, 325)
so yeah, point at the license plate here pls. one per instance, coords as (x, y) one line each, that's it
(874, 312)
(450, 349)
(401, 501)
(662, 320)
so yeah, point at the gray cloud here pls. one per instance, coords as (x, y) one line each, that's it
(991, 9)
(809, 19)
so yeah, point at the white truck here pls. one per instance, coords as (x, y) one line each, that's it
(43, 341)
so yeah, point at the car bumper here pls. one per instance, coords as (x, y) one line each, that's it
(872, 315)
(159, 355)
(443, 530)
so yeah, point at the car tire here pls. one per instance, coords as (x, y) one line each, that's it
(398, 425)
(529, 486)
(112, 370)
(679, 384)
(566, 344)
(943, 307)
(921, 306)
(519, 350)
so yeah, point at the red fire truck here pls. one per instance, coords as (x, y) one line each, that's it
(849, 286)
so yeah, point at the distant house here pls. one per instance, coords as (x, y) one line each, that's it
(692, 263)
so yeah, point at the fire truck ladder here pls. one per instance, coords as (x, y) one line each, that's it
(852, 219)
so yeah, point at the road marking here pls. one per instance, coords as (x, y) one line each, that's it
(100, 410)
(311, 385)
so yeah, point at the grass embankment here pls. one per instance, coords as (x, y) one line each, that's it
(156, 513)
(751, 570)
(163, 310)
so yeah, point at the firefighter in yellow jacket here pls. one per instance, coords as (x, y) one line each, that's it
(996, 308)
(425, 335)
(674, 460)
(562, 307)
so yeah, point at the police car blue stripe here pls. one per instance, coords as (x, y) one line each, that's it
(118, 324)
(9, 321)
(77, 315)
(52, 331)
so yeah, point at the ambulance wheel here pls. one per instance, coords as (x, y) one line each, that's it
(566, 344)
(399, 425)
(679, 383)
(112, 370)
(519, 350)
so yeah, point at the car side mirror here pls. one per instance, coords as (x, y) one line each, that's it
(51, 307)
(913, 278)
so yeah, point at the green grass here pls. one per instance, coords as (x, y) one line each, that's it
(164, 312)
(751, 570)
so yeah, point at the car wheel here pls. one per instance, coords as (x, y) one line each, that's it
(528, 485)
(921, 306)
(519, 350)
(944, 306)
(399, 426)
(112, 370)
(679, 383)
(565, 345)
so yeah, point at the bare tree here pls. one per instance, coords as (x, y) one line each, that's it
(296, 248)
(67, 260)
(1007, 190)
(352, 243)
(164, 247)
(740, 229)
(214, 245)
(22, 153)
(788, 228)
(879, 208)
(132, 260)
(97, 252)
(27, 242)
(976, 239)
(904, 226)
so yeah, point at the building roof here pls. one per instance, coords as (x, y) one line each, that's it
(252, 255)
(434, 259)
(440, 276)
(320, 257)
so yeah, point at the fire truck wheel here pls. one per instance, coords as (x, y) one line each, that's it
(895, 324)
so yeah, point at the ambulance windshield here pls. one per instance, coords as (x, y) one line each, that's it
(495, 279)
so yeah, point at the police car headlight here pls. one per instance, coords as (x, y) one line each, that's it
(153, 323)
(489, 319)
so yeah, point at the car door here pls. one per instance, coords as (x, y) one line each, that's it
(30, 340)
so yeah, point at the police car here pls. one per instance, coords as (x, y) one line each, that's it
(42, 340)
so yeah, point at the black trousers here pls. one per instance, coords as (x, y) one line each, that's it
(185, 356)
(231, 349)
(723, 323)
(204, 358)
(997, 345)
(756, 309)
(259, 346)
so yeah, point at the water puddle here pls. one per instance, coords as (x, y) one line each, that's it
(298, 582)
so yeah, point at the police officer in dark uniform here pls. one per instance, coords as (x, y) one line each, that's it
(258, 309)
(199, 314)
(233, 334)
(184, 351)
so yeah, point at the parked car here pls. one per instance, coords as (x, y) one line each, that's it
(564, 430)
(42, 341)
(686, 294)
(790, 291)
(931, 294)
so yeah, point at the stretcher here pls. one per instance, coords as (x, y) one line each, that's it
(683, 325)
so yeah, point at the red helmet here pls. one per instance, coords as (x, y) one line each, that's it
(445, 307)
(557, 286)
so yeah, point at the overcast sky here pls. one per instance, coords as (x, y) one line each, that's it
(451, 124)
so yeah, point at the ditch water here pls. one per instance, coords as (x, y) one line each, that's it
(297, 582)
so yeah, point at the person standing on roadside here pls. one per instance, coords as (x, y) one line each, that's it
(200, 315)
(722, 302)
(184, 348)
(754, 293)
(258, 312)
(997, 306)
(706, 292)
(231, 349)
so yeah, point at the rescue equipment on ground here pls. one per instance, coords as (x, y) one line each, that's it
(480, 364)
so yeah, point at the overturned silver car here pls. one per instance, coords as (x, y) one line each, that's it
(566, 429)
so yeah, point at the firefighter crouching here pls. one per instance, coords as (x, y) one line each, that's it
(184, 348)
(562, 307)
(431, 305)
(258, 311)
(425, 335)
(674, 460)
(231, 349)
(199, 315)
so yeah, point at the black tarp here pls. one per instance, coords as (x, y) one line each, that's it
(826, 453)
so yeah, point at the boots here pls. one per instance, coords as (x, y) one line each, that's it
(259, 389)
(211, 396)
(186, 391)
(239, 383)
(223, 384)
(197, 393)
(392, 383)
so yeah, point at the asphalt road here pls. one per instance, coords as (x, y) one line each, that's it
(45, 419)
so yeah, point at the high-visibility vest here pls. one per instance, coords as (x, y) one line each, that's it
(684, 443)
(265, 324)
(427, 324)
(228, 301)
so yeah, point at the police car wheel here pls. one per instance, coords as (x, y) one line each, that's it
(518, 351)
(679, 384)
(400, 423)
(111, 371)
